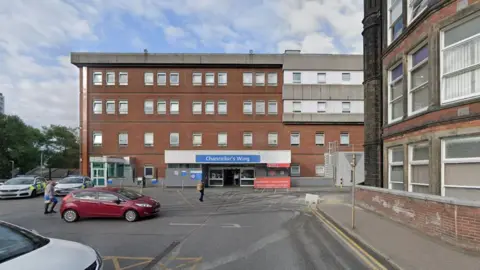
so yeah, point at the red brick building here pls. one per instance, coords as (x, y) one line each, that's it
(221, 116)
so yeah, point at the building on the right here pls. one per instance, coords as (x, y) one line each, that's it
(422, 95)
(2, 104)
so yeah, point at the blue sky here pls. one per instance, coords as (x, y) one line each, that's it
(41, 86)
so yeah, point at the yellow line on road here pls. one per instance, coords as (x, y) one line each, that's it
(367, 258)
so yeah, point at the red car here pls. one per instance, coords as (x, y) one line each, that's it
(107, 202)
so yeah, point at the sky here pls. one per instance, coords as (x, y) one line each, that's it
(36, 38)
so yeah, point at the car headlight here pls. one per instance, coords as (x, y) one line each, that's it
(143, 204)
(24, 189)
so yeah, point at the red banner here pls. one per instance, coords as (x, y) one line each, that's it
(278, 165)
(272, 182)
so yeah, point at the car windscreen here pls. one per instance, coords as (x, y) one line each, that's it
(15, 241)
(71, 180)
(20, 181)
(129, 194)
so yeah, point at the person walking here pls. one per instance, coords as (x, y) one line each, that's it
(49, 197)
(201, 189)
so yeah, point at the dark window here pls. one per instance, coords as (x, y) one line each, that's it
(16, 241)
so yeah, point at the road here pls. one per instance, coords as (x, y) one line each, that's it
(231, 229)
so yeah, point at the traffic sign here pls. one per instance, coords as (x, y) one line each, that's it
(349, 157)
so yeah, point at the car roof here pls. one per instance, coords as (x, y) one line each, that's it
(26, 176)
(110, 189)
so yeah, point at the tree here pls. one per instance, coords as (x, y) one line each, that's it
(61, 147)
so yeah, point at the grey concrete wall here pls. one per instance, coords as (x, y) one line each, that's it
(324, 117)
(173, 180)
(322, 91)
(312, 182)
(260, 171)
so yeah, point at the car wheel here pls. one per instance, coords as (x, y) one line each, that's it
(131, 215)
(34, 194)
(70, 215)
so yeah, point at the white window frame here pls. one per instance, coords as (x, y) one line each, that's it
(245, 76)
(145, 78)
(97, 134)
(261, 76)
(219, 106)
(173, 102)
(120, 74)
(293, 78)
(220, 74)
(246, 135)
(212, 76)
(297, 106)
(160, 104)
(145, 139)
(272, 79)
(394, 164)
(120, 103)
(409, 79)
(296, 166)
(292, 136)
(197, 104)
(123, 141)
(245, 106)
(410, 11)
(95, 74)
(324, 105)
(272, 138)
(257, 103)
(324, 74)
(444, 160)
(197, 135)
(211, 104)
(100, 104)
(389, 94)
(112, 73)
(346, 76)
(219, 135)
(317, 166)
(273, 112)
(162, 81)
(318, 133)
(346, 104)
(148, 101)
(172, 142)
(443, 101)
(197, 79)
(390, 24)
(110, 102)
(172, 75)
(412, 162)
(348, 135)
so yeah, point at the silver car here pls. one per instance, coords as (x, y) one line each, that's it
(71, 183)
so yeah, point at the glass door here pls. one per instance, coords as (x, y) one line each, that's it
(247, 177)
(98, 177)
(215, 177)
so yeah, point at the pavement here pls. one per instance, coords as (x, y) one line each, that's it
(404, 247)
(232, 229)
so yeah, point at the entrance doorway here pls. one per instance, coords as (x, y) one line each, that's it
(232, 177)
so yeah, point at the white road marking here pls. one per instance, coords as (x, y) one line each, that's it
(231, 226)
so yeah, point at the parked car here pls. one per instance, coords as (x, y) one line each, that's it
(71, 183)
(24, 249)
(107, 202)
(23, 186)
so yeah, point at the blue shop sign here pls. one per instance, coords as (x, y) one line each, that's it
(227, 158)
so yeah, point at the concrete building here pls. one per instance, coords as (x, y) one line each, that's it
(230, 118)
(2, 104)
(422, 89)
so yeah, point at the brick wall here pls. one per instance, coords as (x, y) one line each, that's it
(451, 220)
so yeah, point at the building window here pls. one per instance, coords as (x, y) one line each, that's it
(346, 107)
(148, 139)
(197, 107)
(321, 107)
(272, 78)
(222, 107)
(295, 170)
(123, 78)
(97, 138)
(260, 107)
(395, 168)
(222, 139)
(210, 107)
(247, 138)
(319, 170)
(260, 79)
(321, 77)
(174, 107)
(97, 107)
(123, 107)
(110, 78)
(272, 138)
(418, 92)
(222, 78)
(148, 78)
(419, 175)
(161, 78)
(461, 167)
(395, 19)
(297, 77)
(210, 78)
(148, 106)
(123, 139)
(415, 8)
(344, 138)
(460, 62)
(174, 78)
(346, 77)
(295, 139)
(97, 78)
(161, 107)
(272, 107)
(297, 106)
(247, 78)
(174, 139)
(395, 94)
(320, 138)
(110, 106)
(197, 139)
(247, 107)
(197, 78)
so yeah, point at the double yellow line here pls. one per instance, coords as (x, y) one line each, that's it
(371, 262)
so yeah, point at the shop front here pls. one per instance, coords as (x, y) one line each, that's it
(103, 169)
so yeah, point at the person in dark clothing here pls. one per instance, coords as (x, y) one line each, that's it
(201, 189)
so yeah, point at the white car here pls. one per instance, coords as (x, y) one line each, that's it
(27, 250)
(71, 183)
(22, 186)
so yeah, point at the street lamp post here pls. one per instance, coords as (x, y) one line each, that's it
(13, 167)
(41, 162)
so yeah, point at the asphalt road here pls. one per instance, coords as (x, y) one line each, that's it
(231, 229)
